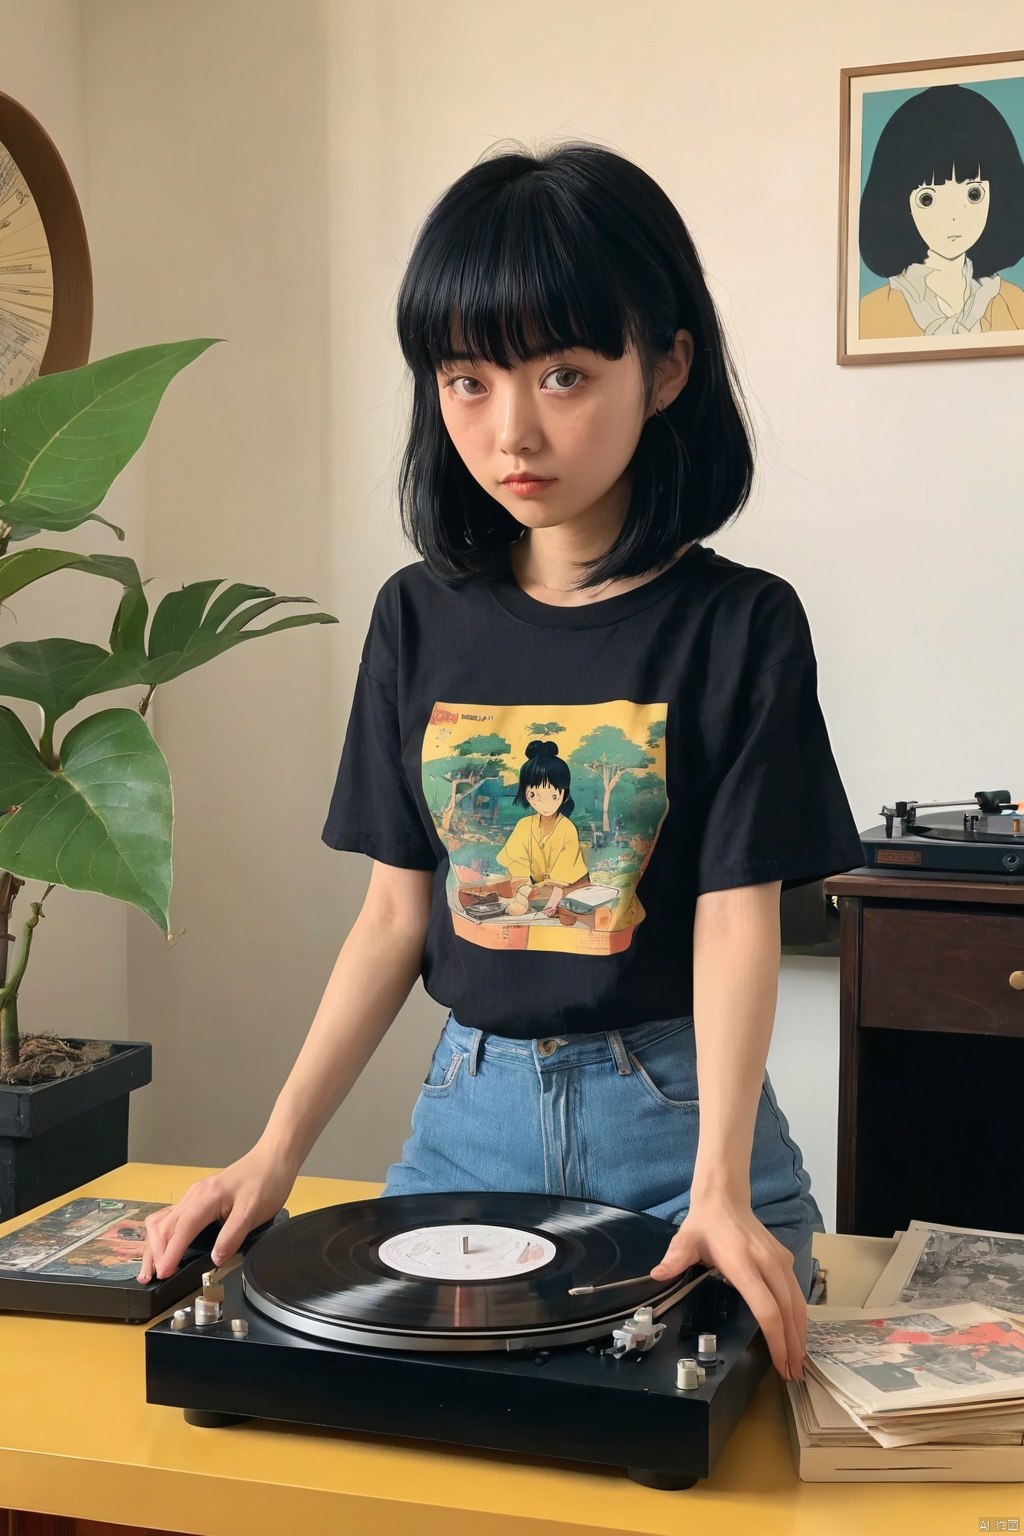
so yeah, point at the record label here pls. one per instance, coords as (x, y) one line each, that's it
(466, 1251)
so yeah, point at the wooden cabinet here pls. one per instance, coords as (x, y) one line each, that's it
(931, 1064)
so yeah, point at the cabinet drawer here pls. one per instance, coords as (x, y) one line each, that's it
(941, 970)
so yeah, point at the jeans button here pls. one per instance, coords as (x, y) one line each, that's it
(547, 1047)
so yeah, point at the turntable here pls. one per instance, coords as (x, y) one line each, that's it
(984, 842)
(507, 1322)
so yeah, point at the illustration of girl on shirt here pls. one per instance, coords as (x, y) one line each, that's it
(946, 178)
(543, 850)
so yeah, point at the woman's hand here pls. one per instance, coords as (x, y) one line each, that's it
(725, 1234)
(245, 1194)
(551, 906)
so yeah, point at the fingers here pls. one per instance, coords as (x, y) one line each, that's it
(170, 1231)
(147, 1269)
(235, 1229)
(679, 1255)
(772, 1293)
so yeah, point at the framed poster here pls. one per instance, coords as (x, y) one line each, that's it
(931, 210)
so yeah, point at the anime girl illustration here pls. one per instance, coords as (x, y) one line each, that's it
(550, 814)
(543, 850)
(942, 213)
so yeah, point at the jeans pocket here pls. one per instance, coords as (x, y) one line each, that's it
(667, 1068)
(444, 1069)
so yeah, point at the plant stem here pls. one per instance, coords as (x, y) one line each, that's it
(46, 751)
(9, 1044)
(144, 704)
(10, 885)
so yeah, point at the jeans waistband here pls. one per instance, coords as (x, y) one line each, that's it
(559, 1052)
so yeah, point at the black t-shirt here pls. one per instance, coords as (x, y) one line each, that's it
(691, 756)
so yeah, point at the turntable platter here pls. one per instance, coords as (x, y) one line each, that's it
(459, 1271)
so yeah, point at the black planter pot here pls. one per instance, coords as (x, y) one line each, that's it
(55, 1136)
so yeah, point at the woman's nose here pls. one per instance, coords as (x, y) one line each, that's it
(518, 427)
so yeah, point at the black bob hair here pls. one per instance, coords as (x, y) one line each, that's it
(529, 255)
(544, 766)
(942, 129)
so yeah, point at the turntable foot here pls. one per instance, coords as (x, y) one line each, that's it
(202, 1418)
(669, 1481)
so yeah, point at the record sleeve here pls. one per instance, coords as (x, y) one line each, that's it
(81, 1260)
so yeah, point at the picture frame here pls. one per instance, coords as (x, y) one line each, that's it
(901, 275)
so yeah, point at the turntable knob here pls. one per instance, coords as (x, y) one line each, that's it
(1017, 980)
(687, 1377)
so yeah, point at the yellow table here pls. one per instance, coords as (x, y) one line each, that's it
(77, 1439)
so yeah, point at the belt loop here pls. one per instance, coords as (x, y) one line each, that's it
(620, 1053)
(474, 1051)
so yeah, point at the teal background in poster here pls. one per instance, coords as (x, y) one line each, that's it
(1006, 95)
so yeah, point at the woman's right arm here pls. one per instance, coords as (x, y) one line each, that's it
(372, 977)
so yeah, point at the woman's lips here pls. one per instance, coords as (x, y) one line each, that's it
(527, 487)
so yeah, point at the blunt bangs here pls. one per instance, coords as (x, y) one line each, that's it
(520, 277)
(529, 255)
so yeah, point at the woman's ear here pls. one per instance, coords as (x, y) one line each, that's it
(672, 372)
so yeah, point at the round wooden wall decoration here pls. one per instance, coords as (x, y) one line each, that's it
(45, 272)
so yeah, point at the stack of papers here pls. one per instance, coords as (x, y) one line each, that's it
(935, 1356)
(911, 1377)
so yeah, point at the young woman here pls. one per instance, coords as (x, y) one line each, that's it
(575, 435)
(942, 212)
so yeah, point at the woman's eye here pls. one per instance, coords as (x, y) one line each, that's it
(925, 199)
(975, 194)
(465, 387)
(563, 379)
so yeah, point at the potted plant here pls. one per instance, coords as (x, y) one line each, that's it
(89, 808)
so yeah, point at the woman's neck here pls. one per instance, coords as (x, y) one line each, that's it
(554, 581)
(550, 562)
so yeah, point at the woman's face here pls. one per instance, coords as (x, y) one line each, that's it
(544, 798)
(950, 216)
(561, 429)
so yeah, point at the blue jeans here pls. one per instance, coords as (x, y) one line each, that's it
(605, 1117)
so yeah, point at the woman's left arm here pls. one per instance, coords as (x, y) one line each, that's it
(736, 946)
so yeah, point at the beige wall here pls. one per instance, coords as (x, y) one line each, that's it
(256, 170)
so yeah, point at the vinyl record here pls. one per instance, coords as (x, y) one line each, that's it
(987, 829)
(459, 1271)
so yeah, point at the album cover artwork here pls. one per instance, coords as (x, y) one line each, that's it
(88, 1239)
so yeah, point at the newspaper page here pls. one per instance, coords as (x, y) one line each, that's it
(906, 1360)
(940, 1266)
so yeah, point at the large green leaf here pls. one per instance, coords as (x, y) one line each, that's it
(186, 633)
(58, 674)
(101, 822)
(28, 565)
(65, 437)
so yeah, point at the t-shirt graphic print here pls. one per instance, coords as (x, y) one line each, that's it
(549, 814)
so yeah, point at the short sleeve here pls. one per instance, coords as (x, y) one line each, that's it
(778, 810)
(372, 809)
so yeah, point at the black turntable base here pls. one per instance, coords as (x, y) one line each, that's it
(983, 842)
(480, 1361)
